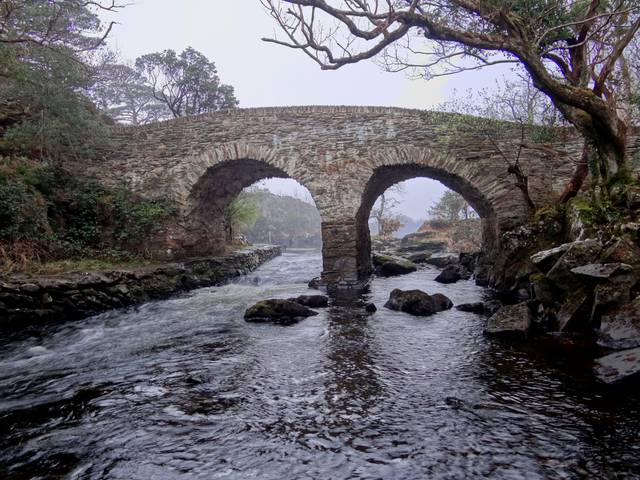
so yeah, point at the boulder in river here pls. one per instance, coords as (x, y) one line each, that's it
(450, 274)
(284, 312)
(417, 302)
(474, 307)
(618, 366)
(620, 328)
(388, 266)
(316, 283)
(512, 321)
(312, 301)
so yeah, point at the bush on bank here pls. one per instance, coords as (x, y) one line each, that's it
(49, 213)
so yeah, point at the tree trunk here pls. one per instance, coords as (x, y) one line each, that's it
(579, 175)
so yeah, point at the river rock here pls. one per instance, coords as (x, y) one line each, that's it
(620, 250)
(441, 260)
(388, 266)
(370, 307)
(475, 307)
(543, 290)
(601, 272)
(417, 302)
(420, 257)
(618, 366)
(512, 321)
(546, 259)
(574, 313)
(469, 260)
(620, 328)
(279, 311)
(578, 254)
(492, 306)
(315, 283)
(312, 301)
(422, 242)
(451, 274)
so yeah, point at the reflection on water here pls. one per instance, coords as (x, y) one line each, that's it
(184, 388)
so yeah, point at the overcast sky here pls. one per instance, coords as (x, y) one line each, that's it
(228, 32)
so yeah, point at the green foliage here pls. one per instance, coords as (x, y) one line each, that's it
(64, 216)
(241, 214)
(450, 207)
(597, 212)
(284, 220)
(45, 71)
(187, 83)
(22, 213)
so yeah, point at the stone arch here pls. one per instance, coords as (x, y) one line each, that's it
(386, 176)
(216, 178)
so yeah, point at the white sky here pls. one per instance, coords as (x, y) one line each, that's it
(228, 32)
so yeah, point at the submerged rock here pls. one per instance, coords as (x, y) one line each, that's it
(621, 328)
(417, 302)
(284, 312)
(388, 266)
(513, 321)
(313, 301)
(618, 366)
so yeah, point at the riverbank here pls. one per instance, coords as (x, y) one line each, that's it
(26, 300)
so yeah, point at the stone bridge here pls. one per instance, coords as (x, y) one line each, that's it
(345, 156)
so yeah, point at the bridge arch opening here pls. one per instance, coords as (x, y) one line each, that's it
(387, 176)
(214, 192)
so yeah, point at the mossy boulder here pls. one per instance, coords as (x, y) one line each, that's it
(312, 301)
(417, 302)
(283, 312)
(389, 266)
(452, 273)
(512, 321)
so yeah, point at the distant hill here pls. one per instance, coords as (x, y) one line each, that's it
(460, 235)
(284, 221)
(409, 225)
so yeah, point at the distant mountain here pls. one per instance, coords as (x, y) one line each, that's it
(285, 221)
(409, 225)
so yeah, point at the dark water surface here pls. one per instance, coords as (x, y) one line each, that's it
(184, 388)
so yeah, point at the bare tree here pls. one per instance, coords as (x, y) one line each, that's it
(572, 51)
(383, 211)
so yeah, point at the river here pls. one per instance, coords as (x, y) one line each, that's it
(184, 388)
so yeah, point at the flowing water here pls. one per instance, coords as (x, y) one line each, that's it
(184, 388)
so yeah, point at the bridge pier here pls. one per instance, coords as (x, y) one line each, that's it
(345, 264)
